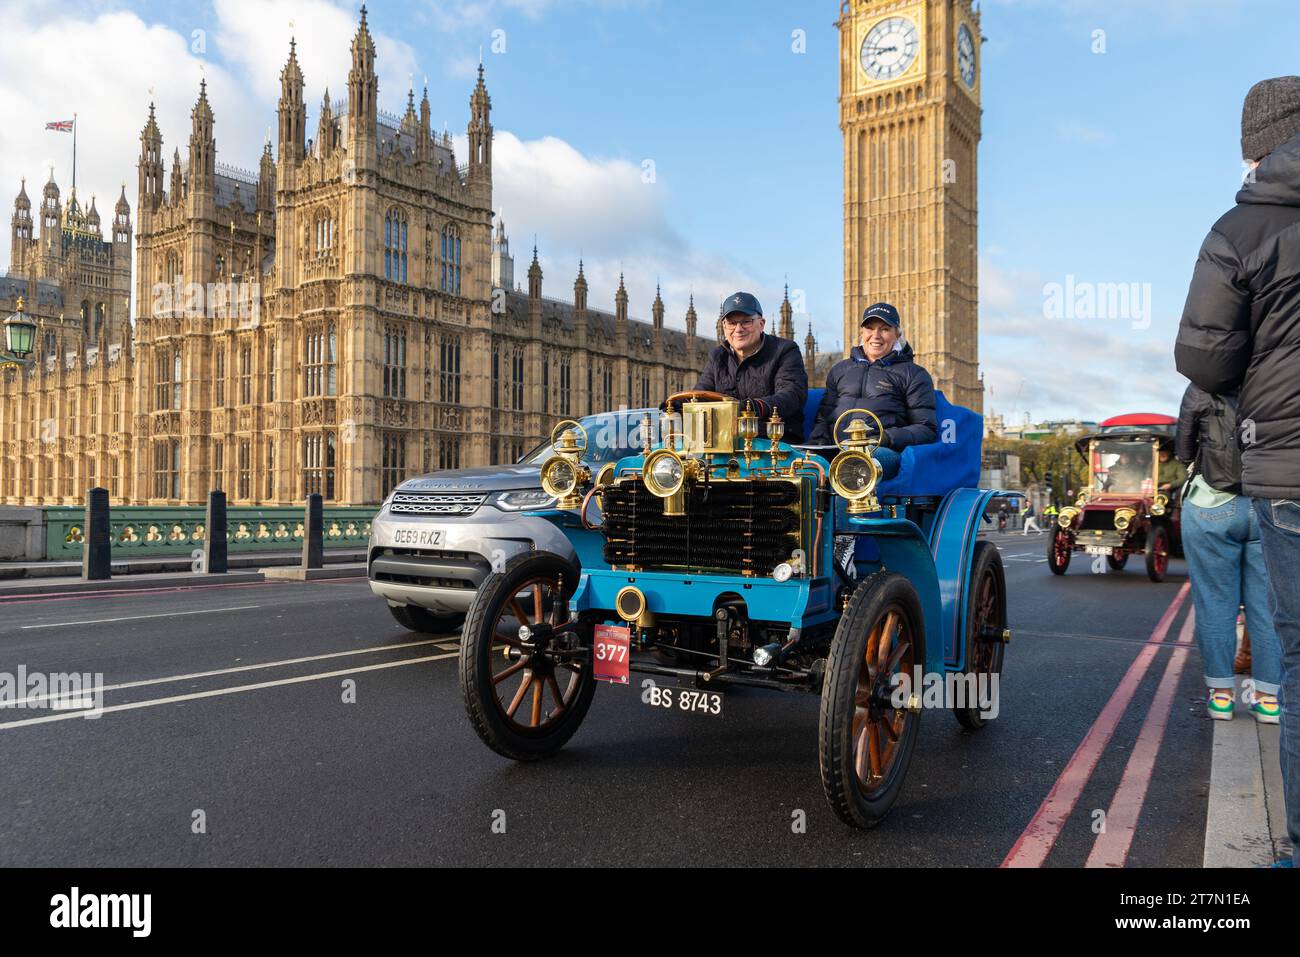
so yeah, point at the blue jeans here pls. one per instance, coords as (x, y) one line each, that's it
(1226, 559)
(1279, 527)
(889, 461)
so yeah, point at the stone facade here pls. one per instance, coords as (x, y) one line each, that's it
(910, 114)
(332, 322)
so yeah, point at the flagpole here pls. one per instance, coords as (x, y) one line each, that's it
(74, 154)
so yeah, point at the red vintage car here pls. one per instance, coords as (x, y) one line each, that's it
(1128, 508)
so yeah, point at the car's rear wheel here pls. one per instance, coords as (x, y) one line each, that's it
(1059, 548)
(421, 620)
(867, 729)
(1157, 553)
(986, 630)
(525, 698)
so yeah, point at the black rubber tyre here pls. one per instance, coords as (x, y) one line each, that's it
(865, 745)
(986, 621)
(1157, 553)
(1059, 550)
(1117, 564)
(425, 622)
(531, 586)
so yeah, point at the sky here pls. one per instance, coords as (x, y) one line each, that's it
(696, 146)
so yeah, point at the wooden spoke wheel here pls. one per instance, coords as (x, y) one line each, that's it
(1157, 553)
(1060, 546)
(866, 730)
(986, 625)
(525, 696)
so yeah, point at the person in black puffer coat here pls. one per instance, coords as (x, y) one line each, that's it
(1241, 329)
(881, 376)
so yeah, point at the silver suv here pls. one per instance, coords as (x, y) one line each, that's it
(438, 536)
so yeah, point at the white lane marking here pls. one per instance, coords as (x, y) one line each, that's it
(5, 725)
(170, 614)
(230, 671)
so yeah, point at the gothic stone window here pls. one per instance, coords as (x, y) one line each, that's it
(218, 465)
(566, 384)
(245, 375)
(319, 457)
(395, 245)
(394, 460)
(324, 233)
(167, 469)
(270, 469)
(167, 378)
(244, 488)
(270, 371)
(219, 377)
(321, 353)
(394, 363)
(517, 380)
(449, 371)
(448, 453)
(451, 260)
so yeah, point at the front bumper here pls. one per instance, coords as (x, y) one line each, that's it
(446, 578)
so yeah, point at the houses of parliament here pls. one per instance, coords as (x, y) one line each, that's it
(347, 316)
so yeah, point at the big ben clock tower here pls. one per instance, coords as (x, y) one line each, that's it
(910, 113)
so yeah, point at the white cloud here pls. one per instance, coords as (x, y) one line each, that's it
(1076, 131)
(602, 210)
(254, 36)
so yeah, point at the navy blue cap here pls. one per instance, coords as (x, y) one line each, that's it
(882, 310)
(741, 302)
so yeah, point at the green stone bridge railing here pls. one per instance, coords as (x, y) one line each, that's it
(144, 531)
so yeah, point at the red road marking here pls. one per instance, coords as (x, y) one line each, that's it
(1033, 846)
(1112, 845)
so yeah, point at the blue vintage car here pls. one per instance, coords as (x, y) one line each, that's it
(717, 558)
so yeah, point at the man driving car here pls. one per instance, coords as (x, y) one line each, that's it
(752, 366)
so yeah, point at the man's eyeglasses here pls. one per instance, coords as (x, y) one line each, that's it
(740, 323)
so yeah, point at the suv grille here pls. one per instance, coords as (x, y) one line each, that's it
(435, 503)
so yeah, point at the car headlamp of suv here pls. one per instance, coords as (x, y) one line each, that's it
(1124, 518)
(517, 500)
(664, 473)
(854, 476)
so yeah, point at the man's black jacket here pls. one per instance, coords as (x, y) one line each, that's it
(1207, 435)
(1241, 325)
(773, 377)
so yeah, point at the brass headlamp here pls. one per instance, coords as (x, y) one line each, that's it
(1161, 503)
(563, 472)
(747, 424)
(775, 432)
(1067, 516)
(665, 473)
(1124, 518)
(855, 473)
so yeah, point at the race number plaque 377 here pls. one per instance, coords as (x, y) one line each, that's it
(611, 653)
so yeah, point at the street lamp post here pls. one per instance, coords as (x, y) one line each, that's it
(20, 338)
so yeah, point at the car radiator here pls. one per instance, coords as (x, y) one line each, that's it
(748, 527)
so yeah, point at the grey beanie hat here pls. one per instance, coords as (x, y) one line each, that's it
(1270, 116)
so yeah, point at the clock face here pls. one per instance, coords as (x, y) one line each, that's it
(966, 56)
(890, 48)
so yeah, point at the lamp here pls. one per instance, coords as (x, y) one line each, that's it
(20, 333)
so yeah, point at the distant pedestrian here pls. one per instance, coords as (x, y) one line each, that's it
(1028, 514)
(1241, 330)
(1222, 545)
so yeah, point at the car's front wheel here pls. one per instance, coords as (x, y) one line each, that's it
(425, 622)
(1059, 549)
(869, 723)
(1157, 553)
(526, 697)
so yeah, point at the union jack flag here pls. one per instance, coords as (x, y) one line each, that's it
(63, 126)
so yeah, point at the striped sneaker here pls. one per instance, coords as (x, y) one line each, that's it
(1266, 709)
(1220, 705)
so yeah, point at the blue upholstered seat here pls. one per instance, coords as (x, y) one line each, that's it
(937, 468)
